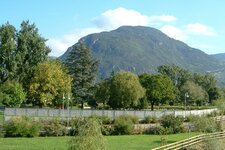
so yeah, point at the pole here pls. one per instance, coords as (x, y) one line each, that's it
(63, 104)
(68, 109)
(185, 104)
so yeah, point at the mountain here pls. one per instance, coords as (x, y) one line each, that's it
(142, 49)
(220, 57)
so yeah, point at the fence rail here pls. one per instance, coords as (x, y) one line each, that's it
(192, 141)
(36, 112)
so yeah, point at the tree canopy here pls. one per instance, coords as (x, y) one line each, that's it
(83, 69)
(159, 88)
(125, 90)
(49, 84)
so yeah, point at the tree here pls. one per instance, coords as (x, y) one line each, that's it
(83, 69)
(197, 95)
(7, 52)
(49, 84)
(102, 93)
(89, 136)
(31, 51)
(159, 88)
(12, 94)
(209, 84)
(125, 90)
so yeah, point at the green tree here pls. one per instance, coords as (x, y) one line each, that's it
(83, 69)
(12, 94)
(31, 51)
(197, 95)
(7, 52)
(125, 90)
(89, 136)
(159, 88)
(49, 84)
(209, 84)
(102, 93)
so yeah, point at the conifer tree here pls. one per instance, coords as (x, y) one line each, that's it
(83, 68)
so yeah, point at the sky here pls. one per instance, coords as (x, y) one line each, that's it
(198, 23)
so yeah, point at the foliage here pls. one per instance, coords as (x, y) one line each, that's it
(49, 84)
(206, 124)
(142, 49)
(150, 119)
(159, 88)
(125, 90)
(156, 130)
(53, 127)
(21, 127)
(209, 84)
(83, 68)
(7, 52)
(123, 125)
(196, 95)
(31, 50)
(173, 123)
(12, 94)
(89, 136)
(102, 93)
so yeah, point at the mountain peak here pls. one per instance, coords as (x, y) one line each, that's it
(142, 49)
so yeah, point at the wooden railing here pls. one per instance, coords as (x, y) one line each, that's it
(192, 141)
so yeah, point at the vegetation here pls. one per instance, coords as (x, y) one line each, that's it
(125, 90)
(21, 127)
(82, 68)
(49, 84)
(144, 142)
(89, 136)
(142, 49)
(159, 88)
(12, 94)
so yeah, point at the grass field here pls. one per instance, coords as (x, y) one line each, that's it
(131, 142)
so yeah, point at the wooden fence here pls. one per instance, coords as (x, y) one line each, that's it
(192, 141)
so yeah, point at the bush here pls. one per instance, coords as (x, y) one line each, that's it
(150, 119)
(206, 124)
(157, 130)
(123, 125)
(53, 127)
(107, 130)
(172, 123)
(21, 127)
(89, 136)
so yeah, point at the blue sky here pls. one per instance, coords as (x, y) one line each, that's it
(199, 23)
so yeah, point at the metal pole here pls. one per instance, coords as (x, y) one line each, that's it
(63, 104)
(68, 110)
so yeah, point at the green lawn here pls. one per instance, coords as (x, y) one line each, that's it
(133, 142)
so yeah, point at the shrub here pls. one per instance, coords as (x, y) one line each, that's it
(123, 125)
(54, 127)
(157, 130)
(89, 136)
(107, 129)
(21, 127)
(172, 123)
(150, 119)
(206, 124)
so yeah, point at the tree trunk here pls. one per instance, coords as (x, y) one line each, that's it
(152, 106)
(82, 105)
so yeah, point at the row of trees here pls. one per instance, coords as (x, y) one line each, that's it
(27, 75)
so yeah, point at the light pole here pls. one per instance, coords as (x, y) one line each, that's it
(185, 103)
(63, 104)
(68, 109)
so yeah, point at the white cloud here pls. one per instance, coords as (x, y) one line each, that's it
(174, 32)
(108, 20)
(162, 18)
(112, 19)
(60, 45)
(200, 29)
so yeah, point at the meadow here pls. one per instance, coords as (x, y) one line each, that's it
(128, 142)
